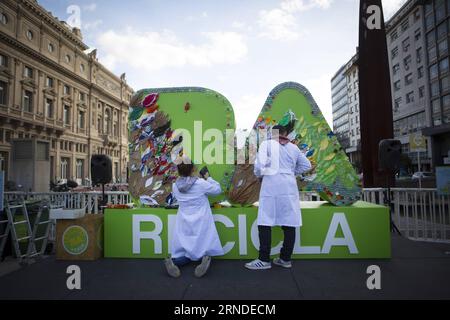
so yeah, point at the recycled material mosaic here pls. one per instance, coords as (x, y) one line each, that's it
(154, 116)
(333, 176)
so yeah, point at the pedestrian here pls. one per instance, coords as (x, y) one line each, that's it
(195, 237)
(278, 163)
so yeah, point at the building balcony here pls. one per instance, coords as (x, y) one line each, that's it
(15, 116)
(109, 140)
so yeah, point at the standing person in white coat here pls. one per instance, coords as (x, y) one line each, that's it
(195, 236)
(278, 163)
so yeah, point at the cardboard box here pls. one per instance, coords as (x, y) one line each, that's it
(60, 213)
(80, 239)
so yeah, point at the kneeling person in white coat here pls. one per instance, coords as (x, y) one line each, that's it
(278, 163)
(195, 236)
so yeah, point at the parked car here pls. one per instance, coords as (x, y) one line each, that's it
(422, 175)
(403, 176)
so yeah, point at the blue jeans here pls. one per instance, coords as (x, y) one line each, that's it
(181, 261)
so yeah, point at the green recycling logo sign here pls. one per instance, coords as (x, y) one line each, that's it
(75, 240)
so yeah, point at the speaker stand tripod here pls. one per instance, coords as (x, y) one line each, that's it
(394, 228)
(104, 201)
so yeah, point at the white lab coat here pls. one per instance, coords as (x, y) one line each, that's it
(279, 199)
(195, 234)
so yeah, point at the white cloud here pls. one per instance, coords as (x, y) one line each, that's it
(302, 5)
(154, 50)
(238, 24)
(90, 7)
(320, 89)
(192, 18)
(391, 6)
(280, 23)
(247, 109)
(89, 26)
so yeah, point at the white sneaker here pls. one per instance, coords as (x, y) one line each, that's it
(281, 263)
(258, 265)
(203, 267)
(171, 268)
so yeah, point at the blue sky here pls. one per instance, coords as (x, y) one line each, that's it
(242, 49)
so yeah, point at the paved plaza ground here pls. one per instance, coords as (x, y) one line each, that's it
(417, 270)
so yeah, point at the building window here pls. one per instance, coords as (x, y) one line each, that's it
(30, 35)
(434, 71)
(397, 85)
(397, 104)
(436, 106)
(441, 30)
(417, 35)
(107, 121)
(3, 93)
(82, 68)
(406, 44)
(443, 66)
(432, 54)
(440, 11)
(394, 35)
(3, 61)
(116, 171)
(28, 72)
(50, 82)
(3, 19)
(81, 119)
(431, 39)
(428, 7)
(51, 48)
(8, 136)
(49, 108)
(82, 97)
(405, 25)
(410, 97)
(420, 72)
(419, 55)
(443, 47)
(28, 101)
(66, 90)
(395, 68)
(434, 89)
(445, 84)
(66, 115)
(79, 169)
(68, 58)
(429, 22)
(65, 168)
(407, 62)
(394, 53)
(421, 92)
(446, 104)
(408, 79)
(416, 15)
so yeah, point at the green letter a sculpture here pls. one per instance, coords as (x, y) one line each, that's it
(333, 176)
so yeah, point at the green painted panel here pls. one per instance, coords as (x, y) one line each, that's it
(359, 231)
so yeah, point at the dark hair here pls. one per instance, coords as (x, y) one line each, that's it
(185, 170)
(281, 130)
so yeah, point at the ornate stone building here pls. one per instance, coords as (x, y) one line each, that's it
(53, 88)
